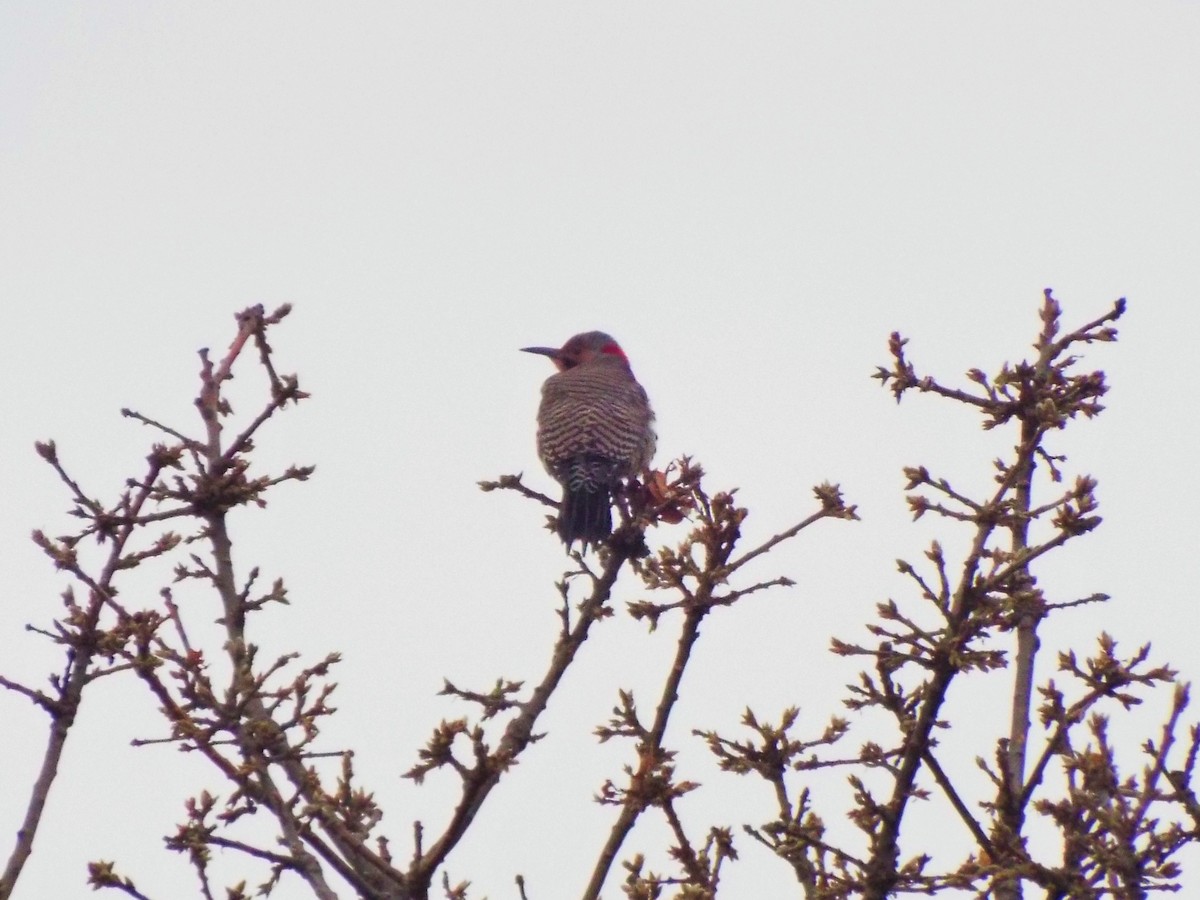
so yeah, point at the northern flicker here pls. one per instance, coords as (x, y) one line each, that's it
(594, 428)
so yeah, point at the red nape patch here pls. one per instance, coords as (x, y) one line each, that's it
(614, 350)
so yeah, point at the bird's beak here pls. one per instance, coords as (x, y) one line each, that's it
(551, 352)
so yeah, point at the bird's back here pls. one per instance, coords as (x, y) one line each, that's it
(596, 409)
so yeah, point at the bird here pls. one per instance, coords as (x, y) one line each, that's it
(594, 428)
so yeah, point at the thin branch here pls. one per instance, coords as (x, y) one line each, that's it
(188, 442)
(519, 732)
(951, 794)
(650, 750)
(514, 483)
(35, 697)
(778, 539)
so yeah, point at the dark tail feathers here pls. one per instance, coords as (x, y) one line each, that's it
(585, 514)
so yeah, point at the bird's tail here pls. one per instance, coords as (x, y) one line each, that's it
(585, 513)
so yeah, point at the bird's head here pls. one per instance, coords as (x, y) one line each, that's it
(581, 349)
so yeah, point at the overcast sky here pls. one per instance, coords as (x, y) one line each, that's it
(750, 197)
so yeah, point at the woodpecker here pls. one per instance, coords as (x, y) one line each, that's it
(594, 428)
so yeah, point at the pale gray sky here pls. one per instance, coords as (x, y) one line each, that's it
(750, 198)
